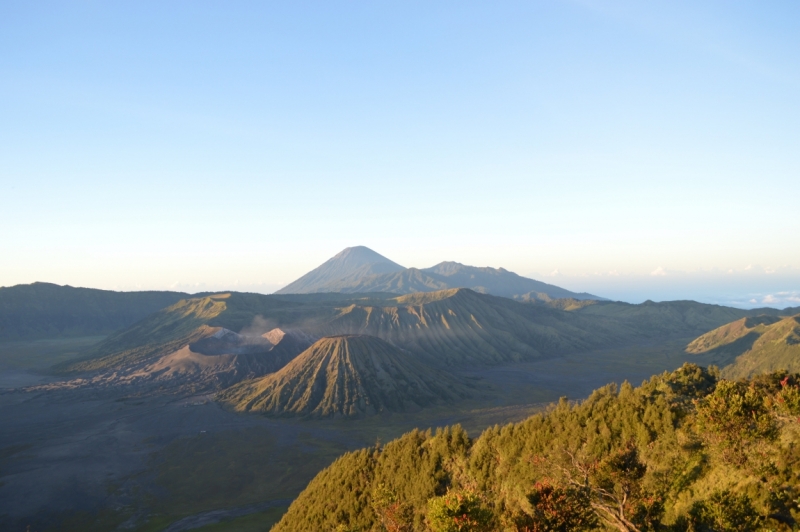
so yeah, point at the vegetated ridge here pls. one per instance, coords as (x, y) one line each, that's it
(45, 310)
(751, 346)
(359, 269)
(684, 451)
(346, 376)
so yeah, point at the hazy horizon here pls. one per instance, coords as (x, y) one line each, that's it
(763, 286)
(633, 151)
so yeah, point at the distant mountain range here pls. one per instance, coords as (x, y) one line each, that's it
(360, 270)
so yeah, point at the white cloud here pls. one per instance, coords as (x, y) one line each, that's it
(658, 272)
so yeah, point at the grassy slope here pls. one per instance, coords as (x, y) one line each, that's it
(776, 347)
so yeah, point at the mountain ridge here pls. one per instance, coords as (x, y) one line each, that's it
(362, 273)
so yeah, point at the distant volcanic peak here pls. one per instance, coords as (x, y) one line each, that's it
(349, 375)
(354, 262)
(363, 255)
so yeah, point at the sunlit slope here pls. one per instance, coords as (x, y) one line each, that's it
(162, 332)
(45, 310)
(459, 325)
(351, 376)
(189, 321)
(711, 454)
(754, 345)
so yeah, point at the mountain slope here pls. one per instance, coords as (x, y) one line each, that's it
(667, 318)
(459, 325)
(351, 263)
(219, 358)
(45, 310)
(598, 464)
(361, 270)
(753, 346)
(447, 326)
(349, 376)
(498, 282)
(407, 281)
(188, 320)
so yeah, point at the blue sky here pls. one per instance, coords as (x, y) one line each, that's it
(635, 150)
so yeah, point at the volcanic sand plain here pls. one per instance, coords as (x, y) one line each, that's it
(111, 459)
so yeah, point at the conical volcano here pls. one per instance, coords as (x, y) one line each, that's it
(349, 375)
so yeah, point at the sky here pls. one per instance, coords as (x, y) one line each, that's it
(635, 150)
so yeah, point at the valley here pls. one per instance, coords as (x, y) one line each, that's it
(215, 411)
(101, 459)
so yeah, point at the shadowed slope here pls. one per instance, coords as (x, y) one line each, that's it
(349, 376)
(669, 318)
(351, 263)
(45, 310)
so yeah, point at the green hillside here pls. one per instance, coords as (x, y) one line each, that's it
(758, 345)
(349, 376)
(684, 451)
(45, 310)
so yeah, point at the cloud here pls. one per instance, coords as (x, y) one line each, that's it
(658, 272)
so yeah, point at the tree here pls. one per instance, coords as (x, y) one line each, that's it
(556, 509)
(459, 511)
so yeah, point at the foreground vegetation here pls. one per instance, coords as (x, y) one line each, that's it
(684, 451)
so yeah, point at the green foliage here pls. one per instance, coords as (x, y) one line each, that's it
(555, 509)
(681, 452)
(459, 511)
(724, 512)
(736, 417)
